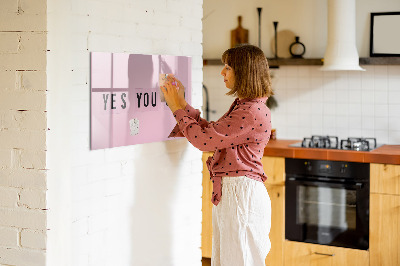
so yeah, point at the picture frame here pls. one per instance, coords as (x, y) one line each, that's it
(384, 34)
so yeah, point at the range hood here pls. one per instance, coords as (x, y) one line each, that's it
(341, 51)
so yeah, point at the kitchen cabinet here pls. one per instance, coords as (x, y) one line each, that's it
(305, 254)
(385, 215)
(385, 178)
(274, 168)
(206, 225)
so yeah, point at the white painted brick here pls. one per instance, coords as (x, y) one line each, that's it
(34, 140)
(17, 256)
(5, 159)
(8, 80)
(9, 42)
(23, 22)
(31, 159)
(33, 239)
(20, 217)
(8, 237)
(37, 7)
(8, 6)
(33, 199)
(190, 22)
(8, 197)
(31, 80)
(23, 61)
(23, 178)
(98, 222)
(34, 120)
(23, 100)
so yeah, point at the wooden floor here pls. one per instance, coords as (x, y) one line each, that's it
(206, 261)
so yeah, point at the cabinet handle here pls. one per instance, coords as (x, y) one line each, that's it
(324, 254)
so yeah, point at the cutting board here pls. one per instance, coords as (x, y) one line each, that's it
(239, 35)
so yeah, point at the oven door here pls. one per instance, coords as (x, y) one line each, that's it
(327, 213)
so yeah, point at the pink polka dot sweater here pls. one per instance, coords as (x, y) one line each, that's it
(238, 139)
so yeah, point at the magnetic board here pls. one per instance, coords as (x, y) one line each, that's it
(126, 102)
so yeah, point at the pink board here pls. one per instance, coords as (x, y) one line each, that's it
(126, 106)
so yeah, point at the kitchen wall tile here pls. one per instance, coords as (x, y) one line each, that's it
(381, 97)
(342, 122)
(303, 82)
(394, 83)
(316, 82)
(382, 136)
(354, 122)
(304, 72)
(394, 71)
(381, 110)
(317, 131)
(394, 123)
(342, 133)
(355, 96)
(342, 109)
(368, 122)
(354, 80)
(317, 108)
(320, 99)
(355, 109)
(367, 110)
(329, 122)
(329, 93)
(380, 71)
(367, 96)
(329, 109)
(355, 132)
(394, 97)
(342, 80)
(342, 96)
(315, 72)
(367, 82)
(394, 137)
(328, 74)
(382, 123)
(394, 110)
(292, 82)
(291, 71)
(317, 95)
(367, 133)
(380, 84)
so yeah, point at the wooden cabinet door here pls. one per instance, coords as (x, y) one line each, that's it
(384, 236)
(277, 233)
(304, 254)
(274, 168)
(385, 178)
(206, 226)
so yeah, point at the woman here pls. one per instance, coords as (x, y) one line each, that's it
(242, 208)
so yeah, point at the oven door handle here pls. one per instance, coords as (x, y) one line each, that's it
(357, 185)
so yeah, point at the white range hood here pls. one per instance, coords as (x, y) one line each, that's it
(341, 51)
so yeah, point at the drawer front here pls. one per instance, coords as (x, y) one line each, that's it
(297, 253)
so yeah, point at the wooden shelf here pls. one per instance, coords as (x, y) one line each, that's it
(380, 61)
(273, 63)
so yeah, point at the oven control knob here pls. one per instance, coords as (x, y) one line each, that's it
(308, 166)
(343, 168)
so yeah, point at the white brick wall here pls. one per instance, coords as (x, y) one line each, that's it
(23, 132)
(134, 205)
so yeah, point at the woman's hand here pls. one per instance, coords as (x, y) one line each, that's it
(181, 92)
(173, 94)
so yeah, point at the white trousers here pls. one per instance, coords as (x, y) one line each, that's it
(241, 223)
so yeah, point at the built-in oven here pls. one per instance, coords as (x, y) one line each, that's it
(327, 202)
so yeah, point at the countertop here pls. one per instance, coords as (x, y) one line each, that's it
(388, 154)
